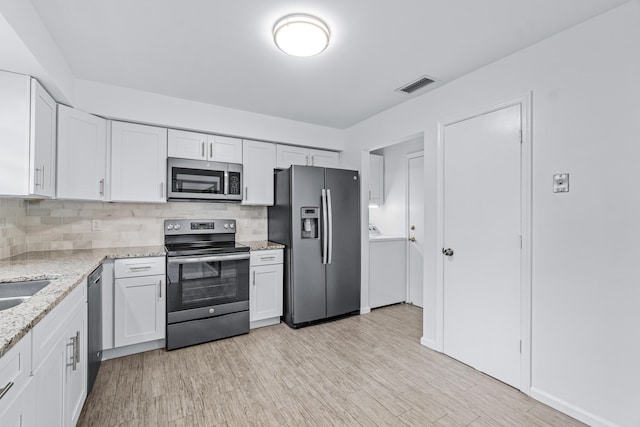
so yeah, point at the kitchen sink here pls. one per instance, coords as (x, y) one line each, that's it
(15, 293)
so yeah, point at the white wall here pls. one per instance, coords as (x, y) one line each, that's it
(586, 121)
(390, 217)
(145, 107)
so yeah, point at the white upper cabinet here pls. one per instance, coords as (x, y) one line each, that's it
(138, 163)
(225, 149)
(199, 146)
(27, 137)
(82, 153)
(288, 155)
(258, 162)
(325, 159)
(376, 181)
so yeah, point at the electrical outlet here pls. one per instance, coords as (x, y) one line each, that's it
(96, 225)
(247, 223)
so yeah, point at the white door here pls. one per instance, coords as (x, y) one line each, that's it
(265, 293)
(416, 229)
(187, 145)
(139, 310)
(75, 389)
(82, 155)
(43, 134)
(324, 159)
(258, 162)
(225, 149)
(288, 155)
(138, 162)
(482, 228)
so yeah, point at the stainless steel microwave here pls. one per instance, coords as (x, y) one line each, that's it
(203, 180)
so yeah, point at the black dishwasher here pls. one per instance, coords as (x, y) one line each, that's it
(94, 326)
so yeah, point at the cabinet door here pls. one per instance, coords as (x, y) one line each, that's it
(139, 310)
(187, 145)
(376, 180)
(258, 162)
(20, 412)
(14, 134)
(138, 162)
(49, 386)
(43, 142)
(265, 297)
(75, 390)
(324, 159)
(288, 155)
(225, 149)
(82, 153)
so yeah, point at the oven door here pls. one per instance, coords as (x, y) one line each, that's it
(197, 179)
(199, 287)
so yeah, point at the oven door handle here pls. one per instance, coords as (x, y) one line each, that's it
(191, 260)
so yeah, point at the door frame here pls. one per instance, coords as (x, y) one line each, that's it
(524, 101)
(407, 216)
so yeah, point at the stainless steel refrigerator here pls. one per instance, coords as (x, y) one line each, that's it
(316, 215)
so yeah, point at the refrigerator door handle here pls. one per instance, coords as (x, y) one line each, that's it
(330, 223)
(325, 228)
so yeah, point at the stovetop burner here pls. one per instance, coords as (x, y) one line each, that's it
(188, 237)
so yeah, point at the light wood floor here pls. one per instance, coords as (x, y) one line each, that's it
(364, 370)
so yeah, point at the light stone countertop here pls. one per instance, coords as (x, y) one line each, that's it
(262, 245)
(66, 269)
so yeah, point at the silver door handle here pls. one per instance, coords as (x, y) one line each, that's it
(141, 267)
(254, 277)
(192, 260)
(160, 288)
(325, 228)
(447, 252)
(267, 258)
(203, 149)
(246, 193)
(306, 162)
(5, 389)
(313, 161)
(330, 225)
(102, 187)
(36, 182)
(226, 182)
(211, 150)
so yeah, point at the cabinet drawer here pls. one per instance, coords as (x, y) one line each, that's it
(134, 267)
(15, 368)
(273, 256)
(47, 333)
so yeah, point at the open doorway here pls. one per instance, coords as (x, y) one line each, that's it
(393, 263)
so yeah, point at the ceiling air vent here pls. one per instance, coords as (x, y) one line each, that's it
(415, 85)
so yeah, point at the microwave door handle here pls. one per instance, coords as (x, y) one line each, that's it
(226, 182)
(193, 260)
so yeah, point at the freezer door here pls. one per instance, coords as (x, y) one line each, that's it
(307, 281)
(343, 271)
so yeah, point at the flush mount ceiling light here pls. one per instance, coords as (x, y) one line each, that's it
(301, 35)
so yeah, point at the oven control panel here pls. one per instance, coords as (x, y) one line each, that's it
(191, 226)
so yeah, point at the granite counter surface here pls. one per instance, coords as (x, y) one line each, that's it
(262, 245)
(65, 269)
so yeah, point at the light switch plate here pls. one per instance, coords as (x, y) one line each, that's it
(561, 183)
(96, 225)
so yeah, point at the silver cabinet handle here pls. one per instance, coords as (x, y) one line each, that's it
(267, 258)
(313, 160)
(203, 149)
(306, 162)
(160, 288)
(330, 226)
(36, 182)
(325, 229)
(246, 193)
(162, 190)
(211, 150)
(369, 194)
(5, 389)
(42, 186)
(77, 355)
(254, 277)
(141, 267)
(102, 187)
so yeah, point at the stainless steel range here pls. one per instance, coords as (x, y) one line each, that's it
(207, 281)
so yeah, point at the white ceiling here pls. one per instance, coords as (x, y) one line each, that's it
(221, 51)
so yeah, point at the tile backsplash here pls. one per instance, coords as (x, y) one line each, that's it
(56, 224)
(13, 227)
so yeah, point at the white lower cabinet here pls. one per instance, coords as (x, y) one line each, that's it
(265, 292)
(139, 300)
(16, 388)
(59, 362)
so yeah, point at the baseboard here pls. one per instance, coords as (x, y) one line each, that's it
(429, 343)
(264, 322)
(132, 349)
(571, 410)
(365, 310)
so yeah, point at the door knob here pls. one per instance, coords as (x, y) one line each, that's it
(447, 252)
(412, 239)
(413, 227)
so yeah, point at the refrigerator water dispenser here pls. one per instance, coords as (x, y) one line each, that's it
(309, 218)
